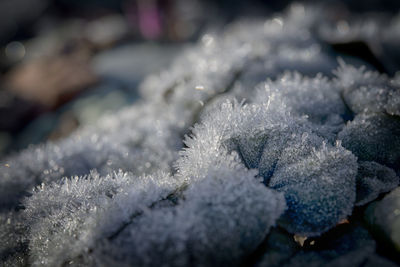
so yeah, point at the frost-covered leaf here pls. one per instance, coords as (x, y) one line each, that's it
(372, 180)
(318, 179)
(79, 213)
(373, 137)
(318, 97)
(368, 91)
(102, 196)
(223, 217)
(13, 242)
(319, 189)
(121, 141)
(384, 218)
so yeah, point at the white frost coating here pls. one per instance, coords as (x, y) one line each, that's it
(224, 217)
(368, 91)
(372, 180)
(121, 141)
(318, 179)
(67, 221)
(317, 98)
(374, 137)
(216, 208)
(221, 128)
(319, 189)
(146, 137)
(220, 61)
(12, 236)
(226, 212)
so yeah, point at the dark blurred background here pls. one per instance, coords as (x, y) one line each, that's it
(64, 63)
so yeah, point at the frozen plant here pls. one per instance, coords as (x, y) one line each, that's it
(121, 141)
(221, 218)
(318, 179)
(243, 144)
(67, 220)
(374, 137)
(372, 180)
(366, 91)
(317, 98)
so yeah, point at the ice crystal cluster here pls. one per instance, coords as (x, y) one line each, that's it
(254, 136)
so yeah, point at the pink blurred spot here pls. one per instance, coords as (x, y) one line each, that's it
(149, 19)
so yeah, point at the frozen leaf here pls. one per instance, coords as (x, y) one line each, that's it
(319, 189)
(223, 217)
(367, 91)
(68, 220)
(372, 180)
(374, 137)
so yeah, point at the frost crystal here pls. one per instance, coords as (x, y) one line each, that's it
(374, 137)
(224, 216)
(372, 180)
(79, 213)
(368, 91)
(318, 179)
(316, 98)
(13, 241)
(121, 141)
(246, 141)
(319, 189)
